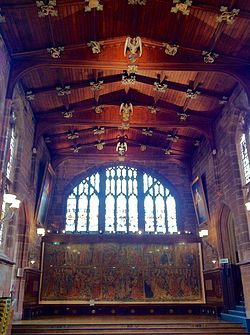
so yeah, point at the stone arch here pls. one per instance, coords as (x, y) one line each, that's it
(226, 235)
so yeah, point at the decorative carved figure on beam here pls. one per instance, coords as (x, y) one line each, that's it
(99, 109)
(160, 87)
(96, 85)
(181, 6)
(2, 17)
(91, 4)
(171, 49)
(55, 52)
(62, 91)
(172, 138)
(72, 135)
(226, 15)
(183, 116)
(95, 46)
(100, 145)
(192, 94)
(126, 110)
(99, 131)
(134, 45)
(153, 110)
(137, 2)
(223, 100)
(76, 148)
(209, 56)
(122, 146)
(68, 114)
(147, 132)
(132, 69)
(167, 152)
(47, 9)
(143, 147)
(30, 96)
(124, 126)
(128, 79)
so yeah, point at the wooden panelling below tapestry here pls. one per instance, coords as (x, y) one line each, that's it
(213, 287)
(121, 273)
(32, 278)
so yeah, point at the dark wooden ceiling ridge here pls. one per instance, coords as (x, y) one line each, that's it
(79, 131)
(44, 128)
(174, 109)
(119, 40)
(237, 70)
(107, 129)
(65, 3)
(111, 141)
(118, 78)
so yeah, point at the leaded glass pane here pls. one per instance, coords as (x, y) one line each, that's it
(171, 208)
(118, 186)
(93, 213)
(149, 214)
(121, 216)
(10, 157)
(81, 188)
(244, 158)
(130, 186)
(145, 182)
(112, 186)
(160, 214)
(82, 213)
(161, 191)
(121, 203)
(71, 213)
(110, 214)
(133, 213)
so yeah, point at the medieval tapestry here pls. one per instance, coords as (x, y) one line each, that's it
(122, 273)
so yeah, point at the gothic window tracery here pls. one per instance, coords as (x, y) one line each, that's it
(245, 158)
(9, 164)
(121, 199)
(11, 145)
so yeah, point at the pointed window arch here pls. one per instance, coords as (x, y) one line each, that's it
(121, 199)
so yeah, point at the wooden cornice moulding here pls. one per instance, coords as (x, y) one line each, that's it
(125, 238)
(217, 270)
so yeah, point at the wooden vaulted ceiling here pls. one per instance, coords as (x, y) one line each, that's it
(164, 134)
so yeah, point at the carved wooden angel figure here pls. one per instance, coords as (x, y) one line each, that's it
(126, 110)
(134, 45)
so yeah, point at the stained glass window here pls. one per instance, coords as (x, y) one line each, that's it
(121, 199)
(244, 158)
(10, 155)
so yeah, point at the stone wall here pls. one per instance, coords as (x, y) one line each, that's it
(20, 238)
(224, 187)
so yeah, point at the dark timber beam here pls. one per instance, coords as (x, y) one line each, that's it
(117, 78)
(64, 3)
(112, 58)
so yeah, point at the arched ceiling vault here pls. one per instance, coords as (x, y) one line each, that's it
(163, 91)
